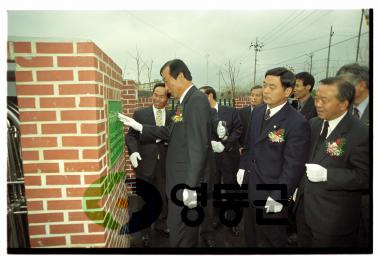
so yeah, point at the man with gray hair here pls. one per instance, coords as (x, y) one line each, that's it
(358, 75)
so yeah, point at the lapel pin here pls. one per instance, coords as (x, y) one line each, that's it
(274, 126)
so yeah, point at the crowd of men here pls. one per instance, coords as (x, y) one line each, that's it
(305, 160)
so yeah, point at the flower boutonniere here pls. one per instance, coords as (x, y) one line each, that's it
(178, 116)
(277, 136)
(336, 148)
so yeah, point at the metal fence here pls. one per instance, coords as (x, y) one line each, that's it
(17, 229)
(225, 102)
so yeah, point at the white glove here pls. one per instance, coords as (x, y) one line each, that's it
(294, 197)
(221, 130)
(133, 158)
(240, 176)
(189, 198)
(217, 147)
(130, 122)
(316, 173)
(272, 206)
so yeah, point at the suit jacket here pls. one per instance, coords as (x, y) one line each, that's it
(234, 126)
(365, 116)
(333, 207)
(268, 162)
(190, 158)
(148, 150)
(245, 117)
(308, 110)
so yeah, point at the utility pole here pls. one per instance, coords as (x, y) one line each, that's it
(360, 31)
(311, 61)
(207, 55)
(328, 54)
(219, 83)
(257, 47)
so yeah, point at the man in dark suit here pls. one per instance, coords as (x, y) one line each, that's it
(358, 75)
(337, 170)
(277, 146)
(302, 92)
(256, 98)
(153, 154)
(226, 150)
(189, 157)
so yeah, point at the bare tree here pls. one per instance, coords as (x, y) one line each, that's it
(232, 73)
(149, 70)
(139, 65)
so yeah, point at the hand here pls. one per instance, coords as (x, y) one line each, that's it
(217, 147)
(316, 173)
(130, 122)
(240, 176)
(189, 198)
(133, 158)
(221, 130)
(272, 206)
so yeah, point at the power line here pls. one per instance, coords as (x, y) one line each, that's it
(298, 43)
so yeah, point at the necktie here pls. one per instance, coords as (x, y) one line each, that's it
(159, 118)
(267, 115)
(323, 135)
(356, 113)
(299, 106)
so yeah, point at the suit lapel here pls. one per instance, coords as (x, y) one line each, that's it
(150, 116)
(274, 122)
(340, 131)
(256, 122)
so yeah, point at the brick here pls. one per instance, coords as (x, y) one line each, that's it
(80, 141)
(45, 217)
(37, 230)
(80, 115)
(30, 155)
(28, 142)
(91, 179)
(32, 180)
(92, 128)
(27, 129)
(43, 193)
(88, 47)
(63, 180)
(37, 116)
(90, 75)
(77, 61)
(91, 102)
(83, 166)
(24, 76)
(84, 191)
(34, 90)
(40, 167)
(89, 215)
(54, 48)
(57, 102)
(22, 47)
(35, 205)
(66, 228)
(78, 89)
(93, 228)
(39, 61)
(47, 241)
(26, 102)
(63, 128)
(88, 239)
(94, 154)
(61, 154)
(55, 75)
(64, 204)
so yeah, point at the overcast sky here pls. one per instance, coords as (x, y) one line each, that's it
(201, 37)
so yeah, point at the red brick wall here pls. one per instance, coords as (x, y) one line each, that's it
(242, 101)
(62, 89)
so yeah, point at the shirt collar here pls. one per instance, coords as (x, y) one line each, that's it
(275, 110)
(216, 107)
(361, 107)
(333, 123)
(184, 93)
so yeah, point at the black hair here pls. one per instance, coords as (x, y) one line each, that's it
(346, 91)
(161, 85)
(286, 76)
(209, 90)
(306, 78)
(177, 66)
